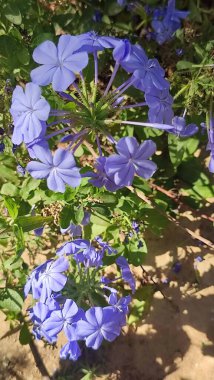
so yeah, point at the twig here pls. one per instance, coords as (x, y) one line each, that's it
(38, 360)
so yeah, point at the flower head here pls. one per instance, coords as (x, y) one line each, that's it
(181, 129)
(126, 272)
(101, 178)
(132, 158)
(29, 111)
(92, 42)
(160, 106)
(58, 63)
(100, 323)
(59, 169)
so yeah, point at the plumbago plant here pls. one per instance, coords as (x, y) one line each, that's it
(85, 167)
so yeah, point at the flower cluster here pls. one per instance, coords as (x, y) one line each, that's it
(66, 300)
(166, 20)
(89, 113)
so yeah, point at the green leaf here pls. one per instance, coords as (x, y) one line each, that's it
(99, 219)
(9, 189)
(29, 223)
(20, 241)
(107, 198)
(66, 216)
(141, 303)
(13, 263)
(10, 300)
(25, 335)
(184, 65)
(11, 206)
(136, 253)
(13, 14)
(79, 215)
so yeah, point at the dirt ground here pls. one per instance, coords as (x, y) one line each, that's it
(175, 341)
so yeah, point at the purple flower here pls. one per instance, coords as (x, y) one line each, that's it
(122, 3)
(131, 159)
(160, 106)
(121, 306)
(165, 28)
(100, 178)
(147, 73)
(176, 267)
(91, 42)
(100, 323)
(83, 252)
(39, 313)
(38, 231)
(62, 319)
(32, 281)
(105, 245)
(2, 147)
(97, 16)
(70, 350)
(51, 278)
(122, 50)
(59, 169)
(20, 170)
(76, 230)
(58, 64)
(29, 110)
(181, 129)
(135, 226)
(126, 272)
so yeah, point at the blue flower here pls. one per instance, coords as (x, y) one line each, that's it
(132, 158)
(2, 147)
(160, 106)
(47, 278)
(105, 246)
(121, 306)
(122, 3)
(97, 16)
(39, 313)
(20, 170)
(83, 252)
(147, 73)
(181, 129)
(100, 178)
(29, 111)
(76, 230)
(165, 28)
(62, 319)
(100, 323)
(70, 350)
(126, 272)
(122, 50)
(58, 64)
(59, 169)
(92, 42)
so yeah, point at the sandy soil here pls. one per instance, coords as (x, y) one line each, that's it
(173, 342)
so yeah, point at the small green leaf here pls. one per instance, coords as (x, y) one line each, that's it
(9, 189)
(184, 65)
(24, 335)
(10, 300)
(12, 13)
(79, 215)
(29, 223)
(11, 206)
(66, 216)
(20, 241)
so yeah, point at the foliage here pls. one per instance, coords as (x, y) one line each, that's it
(28, 205)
